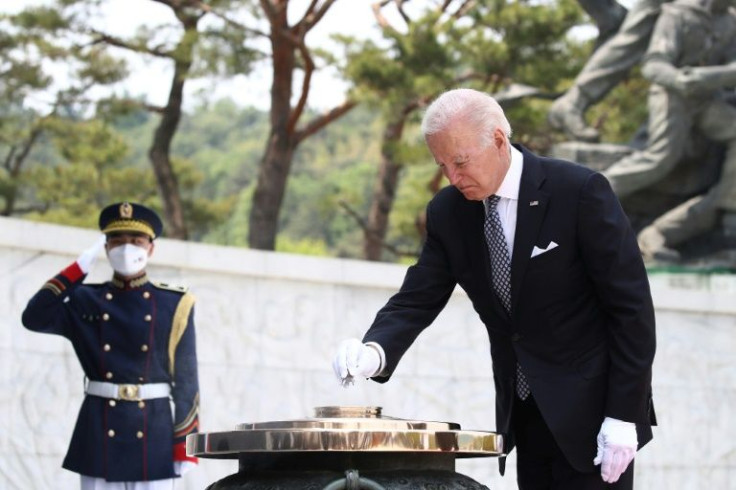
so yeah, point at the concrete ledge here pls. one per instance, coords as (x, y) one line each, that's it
(71, 241)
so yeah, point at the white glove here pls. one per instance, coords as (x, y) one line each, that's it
(616, 448)
(181, 467)
(89, 256)
(354, 358)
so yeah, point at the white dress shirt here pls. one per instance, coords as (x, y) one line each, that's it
(509, 193)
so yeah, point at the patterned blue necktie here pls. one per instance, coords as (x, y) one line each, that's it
(498, 250)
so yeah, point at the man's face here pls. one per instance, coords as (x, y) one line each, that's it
(477, 172)
(138, 239)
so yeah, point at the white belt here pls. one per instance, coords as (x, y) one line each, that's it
(128, 392)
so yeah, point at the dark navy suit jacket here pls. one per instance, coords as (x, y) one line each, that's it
(582, 321)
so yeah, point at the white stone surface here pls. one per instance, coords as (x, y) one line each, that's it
(268, 323)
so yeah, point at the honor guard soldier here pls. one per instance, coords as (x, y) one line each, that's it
(135, 341)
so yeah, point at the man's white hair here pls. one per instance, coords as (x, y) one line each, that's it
(481, 110)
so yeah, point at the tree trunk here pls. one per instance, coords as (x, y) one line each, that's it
(160, 151)
(13, 164)
(384, 191)
(284, 136)
(276, 162)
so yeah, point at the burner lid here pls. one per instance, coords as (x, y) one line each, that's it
(346, 429)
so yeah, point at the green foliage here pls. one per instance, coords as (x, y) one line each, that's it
(40, 19)
(87, 177)
(82, 160)
(305, 246)
(622, 112)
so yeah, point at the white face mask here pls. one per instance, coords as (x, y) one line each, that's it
(128, 260)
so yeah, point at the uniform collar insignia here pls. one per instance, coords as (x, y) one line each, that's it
(133, 283)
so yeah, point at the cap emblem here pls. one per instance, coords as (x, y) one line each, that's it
(126, 210)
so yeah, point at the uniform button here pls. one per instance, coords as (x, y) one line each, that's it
(139, 435)
(111, 433)
(147, 318)
(108, 296)
(140, 379)
(108, 375)
(146, 294)
(112, 403)
(141, 404)
(106, 347)
(516, 337)
(144, 348)
(105, 316)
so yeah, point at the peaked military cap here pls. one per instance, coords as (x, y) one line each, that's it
(130, 217)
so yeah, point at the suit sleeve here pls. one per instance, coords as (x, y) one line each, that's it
(185, 390)
(425, 291)
(616, 268)
(48, 310)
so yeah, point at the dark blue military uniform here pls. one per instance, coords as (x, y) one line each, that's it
(131, 332)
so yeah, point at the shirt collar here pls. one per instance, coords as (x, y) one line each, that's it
(509, 188)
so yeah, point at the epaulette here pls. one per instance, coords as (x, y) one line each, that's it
(170, 287)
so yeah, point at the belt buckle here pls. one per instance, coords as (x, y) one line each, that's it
(129, 392)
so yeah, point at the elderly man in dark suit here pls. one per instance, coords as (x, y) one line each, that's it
(551, 265)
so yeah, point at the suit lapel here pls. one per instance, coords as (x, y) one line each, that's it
(532, 207)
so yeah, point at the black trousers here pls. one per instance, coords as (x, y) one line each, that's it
(540, 463)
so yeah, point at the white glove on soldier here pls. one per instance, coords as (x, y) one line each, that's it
(616, 448)
(89, 256)
(183, 467)
(353, 359)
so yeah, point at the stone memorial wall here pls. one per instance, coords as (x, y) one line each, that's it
(268, 324)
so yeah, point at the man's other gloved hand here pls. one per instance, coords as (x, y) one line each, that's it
(616, 448)
(89, 256)
(353, 359)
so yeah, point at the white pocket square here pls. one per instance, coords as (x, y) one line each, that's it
(539, 251)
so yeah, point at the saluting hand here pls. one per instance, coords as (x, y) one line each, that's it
(88, 258)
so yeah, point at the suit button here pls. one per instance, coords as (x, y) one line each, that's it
(108, 375)
(112, 403)
(111, 433)
(141, 404)
(516, 337)
(146, 294)
(108, 296)
(144, 348)
(139, 435)
(106, 347)
(147, 318)
(105, 317)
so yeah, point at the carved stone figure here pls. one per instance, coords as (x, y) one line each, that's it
(607, 66)
(691, 62)
(607, 15)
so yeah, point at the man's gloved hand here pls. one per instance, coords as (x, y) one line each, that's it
(354, 358)
(89, 256)
(616, 448)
